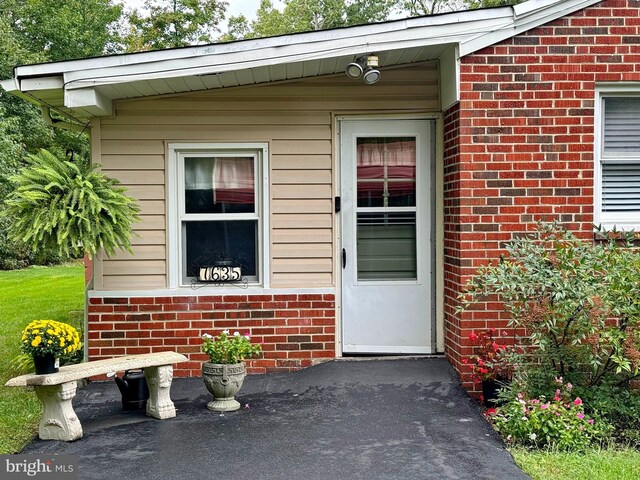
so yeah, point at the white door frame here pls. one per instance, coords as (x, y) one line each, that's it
(432, 188)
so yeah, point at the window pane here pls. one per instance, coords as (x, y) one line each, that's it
(386, 171)
(620, 187)
(219, 185)
(622, 124)
(234, 241)
(387, 246)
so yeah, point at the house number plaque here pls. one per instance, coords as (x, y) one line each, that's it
(220, 274)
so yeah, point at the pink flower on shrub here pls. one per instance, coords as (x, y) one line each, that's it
(544, 406)
(590, 421)
(580, 415)
(577, 401)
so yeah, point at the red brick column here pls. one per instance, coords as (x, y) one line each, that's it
(519, 146)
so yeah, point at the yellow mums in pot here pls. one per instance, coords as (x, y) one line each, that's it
(43, 337)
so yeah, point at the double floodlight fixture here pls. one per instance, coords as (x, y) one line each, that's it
(365, 67)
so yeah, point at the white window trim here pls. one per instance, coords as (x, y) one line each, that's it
(608, 220)
(174, 202)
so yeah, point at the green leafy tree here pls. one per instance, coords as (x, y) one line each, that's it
(308, 15)
(174, 23)
(70, 208)
(34, 31)
(64, 29)
(430, 7)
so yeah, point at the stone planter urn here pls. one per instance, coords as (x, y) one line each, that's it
(223, 382)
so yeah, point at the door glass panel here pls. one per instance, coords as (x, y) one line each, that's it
(386, 180)
(386, 171)
(386, 244)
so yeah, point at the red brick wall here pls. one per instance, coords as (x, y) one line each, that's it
(524, 145)
(295, 330)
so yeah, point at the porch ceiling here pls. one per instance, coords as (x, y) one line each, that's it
(86, 88)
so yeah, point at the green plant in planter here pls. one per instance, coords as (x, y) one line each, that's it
(69, 207)
(43, 337)
(229, 349)
(577, 301)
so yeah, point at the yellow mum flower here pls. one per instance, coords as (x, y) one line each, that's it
(50, 342)
(51, 332)
(62, 342)
(36, 341)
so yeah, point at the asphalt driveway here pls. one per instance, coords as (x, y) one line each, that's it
(372, 419)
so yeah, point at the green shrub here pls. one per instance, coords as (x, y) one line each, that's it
(578, 302)
(559, 423)
(618, 406)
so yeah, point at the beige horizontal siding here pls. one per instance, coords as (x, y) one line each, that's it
(141, 252)
(294, 118)
(134, 282)
(149, 237)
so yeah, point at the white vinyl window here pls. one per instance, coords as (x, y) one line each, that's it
(618, 160)
(217, 210)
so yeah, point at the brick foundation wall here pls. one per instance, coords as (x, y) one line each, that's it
(296, 330)
(519, 146)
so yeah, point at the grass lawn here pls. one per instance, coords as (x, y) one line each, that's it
(55, 293)
(606, 464)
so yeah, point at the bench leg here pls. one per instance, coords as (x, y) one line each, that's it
(59, 421)
(159, 404)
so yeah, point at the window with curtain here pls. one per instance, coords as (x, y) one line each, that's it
(386, 208)
(619, 159)
(220, 221)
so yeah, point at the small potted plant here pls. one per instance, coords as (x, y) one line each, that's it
(490, 365)
(47, 341)
(224, 373)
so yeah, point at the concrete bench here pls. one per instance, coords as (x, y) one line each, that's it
(56, 390)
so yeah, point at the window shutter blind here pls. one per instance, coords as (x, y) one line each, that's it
(620, 187)
(621, 160)
(622, 124)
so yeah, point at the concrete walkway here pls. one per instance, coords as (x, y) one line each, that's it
(374, 419)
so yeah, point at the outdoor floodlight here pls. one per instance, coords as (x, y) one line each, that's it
(365, 67)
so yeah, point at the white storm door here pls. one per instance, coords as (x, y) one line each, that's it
(387, 249)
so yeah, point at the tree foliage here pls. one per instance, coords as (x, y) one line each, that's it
(64, 29)
(308, 15)
(174, 23)
(34, 31)
(67, 207)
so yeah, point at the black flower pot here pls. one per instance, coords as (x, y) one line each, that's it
(490, 389)
(46, 363)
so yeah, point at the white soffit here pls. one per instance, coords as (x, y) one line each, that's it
(87, 87)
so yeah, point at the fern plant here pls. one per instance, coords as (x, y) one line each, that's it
(68, 207)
